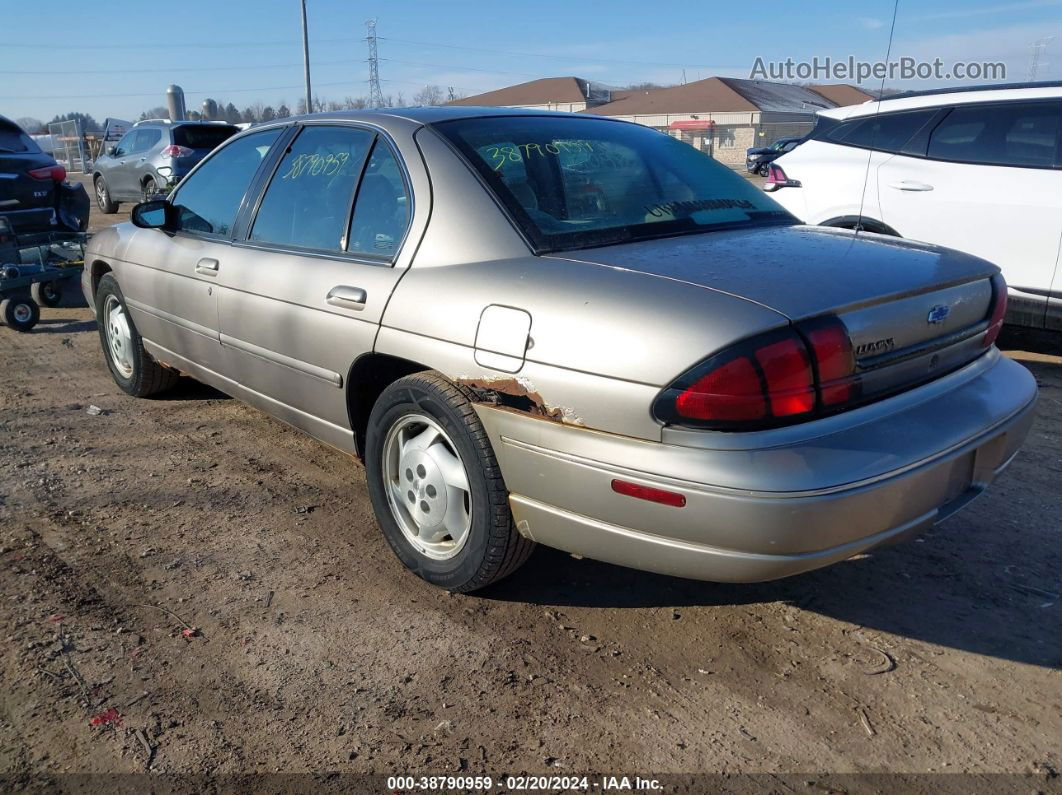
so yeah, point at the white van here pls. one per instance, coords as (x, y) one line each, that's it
(978, 170)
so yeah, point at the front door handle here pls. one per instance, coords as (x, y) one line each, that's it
(346, 297)
(207, 266)
(909, 184)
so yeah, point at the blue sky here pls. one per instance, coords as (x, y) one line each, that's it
(248, 51)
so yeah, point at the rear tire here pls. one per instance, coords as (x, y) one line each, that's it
(103, 197)
(132, 367)
(48, 294)
(20, 314)
(436, 487)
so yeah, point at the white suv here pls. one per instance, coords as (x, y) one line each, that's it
(979, 170)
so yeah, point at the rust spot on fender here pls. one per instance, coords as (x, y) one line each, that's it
(517, 394)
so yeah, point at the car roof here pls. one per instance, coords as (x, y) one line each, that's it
(933, 98)
(400, 117)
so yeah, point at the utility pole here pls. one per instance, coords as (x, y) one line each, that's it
(375, 92)
(306, 59)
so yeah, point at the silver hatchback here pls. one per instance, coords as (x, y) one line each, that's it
(540, 327)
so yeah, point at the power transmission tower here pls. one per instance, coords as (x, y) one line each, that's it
(1036, 61)
(375, 93)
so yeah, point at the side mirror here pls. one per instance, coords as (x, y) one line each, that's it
(154, 214)
(112, 150)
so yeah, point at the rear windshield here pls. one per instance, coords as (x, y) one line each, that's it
(12, 139)
(575, 182)
(202, 136)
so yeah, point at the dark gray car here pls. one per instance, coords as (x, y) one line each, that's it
(153, 155)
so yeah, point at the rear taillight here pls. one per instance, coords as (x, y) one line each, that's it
(173, 150)
(776, 178)
(55, 173)
(774, 379)
(999, 310)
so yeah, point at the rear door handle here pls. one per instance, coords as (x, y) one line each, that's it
(347, 297)
(909, 184)
(207, 266)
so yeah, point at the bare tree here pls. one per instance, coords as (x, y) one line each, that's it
(155, 113)
(31, 125)
(354, 103)
(429, 95)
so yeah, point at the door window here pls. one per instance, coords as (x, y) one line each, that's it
(381, 211)
(209, 199)
(307, 203)
(885, 133)
(1016, 134)
(125, 145)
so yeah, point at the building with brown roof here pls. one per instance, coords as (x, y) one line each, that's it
(571, 94)
(721, 115)
(726, 115)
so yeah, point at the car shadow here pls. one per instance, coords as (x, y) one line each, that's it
(61, 326)
(189, 389)
(899, 589)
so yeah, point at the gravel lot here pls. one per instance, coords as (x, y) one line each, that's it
(217, 580)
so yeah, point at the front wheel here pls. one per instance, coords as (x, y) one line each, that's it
(132, 367)
(20, 314)
(103, 197)
(436, 487)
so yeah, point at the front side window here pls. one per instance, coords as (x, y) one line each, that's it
(574, 183)
(209, 199)
(1016, 134)
(381, 211)
(125, 145)
(886, 133)
(307, 203)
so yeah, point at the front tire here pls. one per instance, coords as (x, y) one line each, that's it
(132, 367)
(436, 487)
(103, 197)
(20, 314)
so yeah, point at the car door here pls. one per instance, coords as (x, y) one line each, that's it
(112, 167)
(145, 141)
(990, 185)
(170, 281)
(303, 295)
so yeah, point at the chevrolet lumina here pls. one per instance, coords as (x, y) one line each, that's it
(581, 332)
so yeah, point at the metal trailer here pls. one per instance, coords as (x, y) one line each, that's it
(34, 274)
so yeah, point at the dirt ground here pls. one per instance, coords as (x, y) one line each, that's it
(189, 586)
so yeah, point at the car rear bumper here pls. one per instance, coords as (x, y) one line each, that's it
(788, 505)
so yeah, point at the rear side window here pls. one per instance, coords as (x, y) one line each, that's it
(381, 212)
(1015, 134)
(145, 139)
(307, 203)
(12, 139)
(203, 136)
(885, 133)
(209, 199)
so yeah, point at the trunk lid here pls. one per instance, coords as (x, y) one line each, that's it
(913, 311)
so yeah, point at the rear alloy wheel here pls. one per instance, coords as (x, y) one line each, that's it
(103, 197)
(48, 294)
(436, 487)
(132, 367)
(21, 314)
(150, 188)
